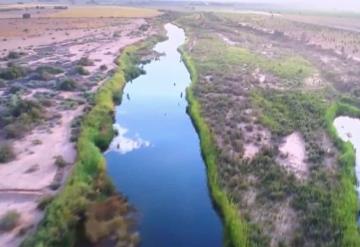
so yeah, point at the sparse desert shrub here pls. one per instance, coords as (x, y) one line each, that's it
(2, 83)
(81, 70)
(103, 67)
(44, 202)
(144, 27)
(15, 55)
(85, 61)
(12, 72)
(14, 131)
(49, 69)
(36, 142)
(26, 16)
(117, 34)
(60, 162)
(55, 185)
(9, 221)
(6, 153)
(67, 85)
(46, 102)
(46, 73)
(44, 76)
(21, 115)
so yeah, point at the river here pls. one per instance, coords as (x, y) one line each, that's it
(156, 162)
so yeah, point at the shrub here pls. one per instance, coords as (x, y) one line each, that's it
(49, 69)
(2, 83)
(81, 70)
(60, 162)
(14, 55)
(12, 72)
(103, 67)
(26, 16)
(44, 202)
(9, 221)
(85, 61)
(13, 131)
(6, 153)
(67, 85)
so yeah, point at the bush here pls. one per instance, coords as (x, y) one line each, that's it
(103, 67)
(6, 153)
(46, 73)
(2, 83)
(81, 70)
(67, 85)
(49, 69)
(12, 72)
(60, 162)
(26, 16)
(85, 61)
(9, 221)
(15, 55)
(44, 202)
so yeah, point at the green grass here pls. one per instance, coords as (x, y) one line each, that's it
(221, 57)
(345, 201)
(235, 226)
(88, 181)
(284, 112)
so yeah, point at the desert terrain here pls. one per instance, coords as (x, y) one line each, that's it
(51, 66)
(265, 89)
(265, 83)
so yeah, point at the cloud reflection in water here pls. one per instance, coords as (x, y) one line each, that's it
(123, 144)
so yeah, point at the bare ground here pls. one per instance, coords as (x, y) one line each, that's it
(31, 175)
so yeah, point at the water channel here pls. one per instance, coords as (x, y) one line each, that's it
(155, 160)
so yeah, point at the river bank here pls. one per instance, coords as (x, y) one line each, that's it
(88, 182)
(235, 227)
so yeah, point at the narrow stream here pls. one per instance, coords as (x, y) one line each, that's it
(156, 161)
(349, 130)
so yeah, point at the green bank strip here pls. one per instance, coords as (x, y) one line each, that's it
(234, 226)
(88, 181)
(345, 201)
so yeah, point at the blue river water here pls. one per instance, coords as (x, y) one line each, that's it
(156, 162)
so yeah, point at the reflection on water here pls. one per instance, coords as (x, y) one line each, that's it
(123, 144)
(156, 161)
(349, 130)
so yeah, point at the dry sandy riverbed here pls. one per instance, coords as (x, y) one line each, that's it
(32, 174)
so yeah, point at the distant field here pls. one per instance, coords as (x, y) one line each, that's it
(346, 22)
(105, 11)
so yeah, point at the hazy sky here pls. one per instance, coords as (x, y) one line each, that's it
(349, 5)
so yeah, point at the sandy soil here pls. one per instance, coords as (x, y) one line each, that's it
(33, 171)
(30, 176)
(256, 139)
(22, 34)
(293, 155)
(227, 40)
